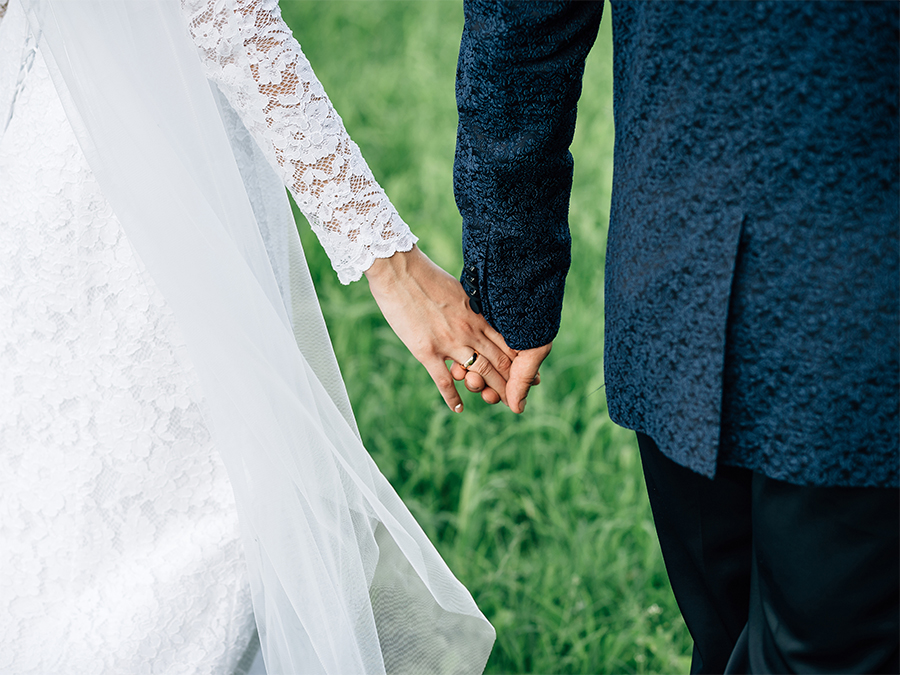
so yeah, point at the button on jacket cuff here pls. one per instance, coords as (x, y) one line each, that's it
(527, 315)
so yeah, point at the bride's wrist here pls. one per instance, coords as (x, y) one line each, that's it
(396, 265)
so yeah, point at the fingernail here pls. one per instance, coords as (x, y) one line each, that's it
(458, 408)
(522, 405)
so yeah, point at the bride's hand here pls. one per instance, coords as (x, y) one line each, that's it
(429, 311)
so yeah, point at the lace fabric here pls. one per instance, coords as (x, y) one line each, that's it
(110, 486)
(224, 349)
(249, 52)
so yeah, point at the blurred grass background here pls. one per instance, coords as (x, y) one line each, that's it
(544, 517)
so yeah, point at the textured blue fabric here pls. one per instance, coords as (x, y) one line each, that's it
(518, 83)
(752, 261)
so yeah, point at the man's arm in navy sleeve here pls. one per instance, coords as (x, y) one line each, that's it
(518, 83)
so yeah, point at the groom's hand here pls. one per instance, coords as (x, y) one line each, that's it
(523, 374)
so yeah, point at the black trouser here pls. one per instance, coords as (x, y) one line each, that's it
(778, 578)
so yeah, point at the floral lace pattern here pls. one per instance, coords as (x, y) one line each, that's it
(119, 543)
(248, 51)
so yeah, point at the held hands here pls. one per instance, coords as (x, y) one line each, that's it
(523, 374)
(429, 311)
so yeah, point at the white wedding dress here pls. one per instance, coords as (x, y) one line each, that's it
(169, 409)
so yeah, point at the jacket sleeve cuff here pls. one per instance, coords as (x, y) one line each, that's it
(525, 307)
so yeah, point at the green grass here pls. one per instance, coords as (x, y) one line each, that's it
(544, 517)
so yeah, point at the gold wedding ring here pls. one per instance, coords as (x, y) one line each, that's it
(468, 364)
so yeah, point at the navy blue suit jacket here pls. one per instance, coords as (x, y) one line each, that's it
(752, 259)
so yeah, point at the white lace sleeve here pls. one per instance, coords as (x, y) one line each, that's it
(249, 52)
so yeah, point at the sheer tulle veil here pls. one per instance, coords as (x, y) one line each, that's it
(343, 579)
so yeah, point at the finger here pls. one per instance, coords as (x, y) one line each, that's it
(445, 383)
(522, 375)
(490, 396)
(497, 340)
(492, 378)
(457, 372)
(474, 381)
(520, 381)
(498, 354)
